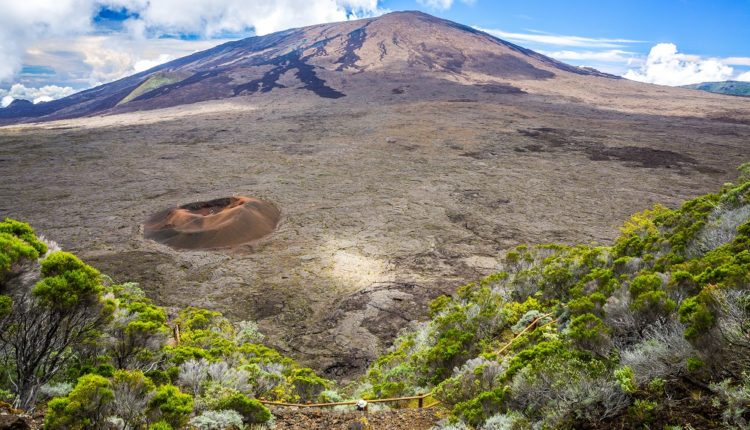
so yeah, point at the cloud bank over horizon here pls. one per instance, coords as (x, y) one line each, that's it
(35, 95)
(666, 66)
(663, 65)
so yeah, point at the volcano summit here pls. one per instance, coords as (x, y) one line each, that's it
(329, 61)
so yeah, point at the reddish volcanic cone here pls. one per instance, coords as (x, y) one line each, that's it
(219, 223)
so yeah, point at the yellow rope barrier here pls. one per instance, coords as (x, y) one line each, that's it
(420, 397)
(350, 402)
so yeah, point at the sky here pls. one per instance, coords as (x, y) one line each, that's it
(53, 48)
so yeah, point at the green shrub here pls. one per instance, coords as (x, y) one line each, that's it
(67, 281)
(172, 405)
(251, 410)
(478, 409)
(652, 305)
(582, 305)
(695, 364)
(160, 425)
(17, 243)
(626, 379)
(697, 315)
(6, 305)
(307, 385)
(657, 385)
(642, 411)
(589, 332)
(644, 283)
(438, 304)
(538, 353)
(88, 404)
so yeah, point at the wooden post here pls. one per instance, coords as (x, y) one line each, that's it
(421, 400)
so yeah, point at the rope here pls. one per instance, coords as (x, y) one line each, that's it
(528, 327)
(420, 397)
(350, 402)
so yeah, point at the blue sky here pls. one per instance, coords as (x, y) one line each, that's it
(707, 27)
(52, 48)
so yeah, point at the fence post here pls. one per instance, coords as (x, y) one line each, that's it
(421, 400)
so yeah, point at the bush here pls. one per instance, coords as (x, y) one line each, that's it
(132, 394)
(589, 333)
(172, 405)
(447, 425)
(330, 396)
(247, 332)
(509, 421)
(67, 281)
(735, 399)
(720, 229)
(486, 404)
(642, 411)
(656, 386)
(626, 378)
(474, 377)
(160, 425)
(251, 410)
(644, 283)
(60, 389)
(662, 353)
(17, 243)
(307, 385)
(217, 420)
(697, 315)
(87, 405)
(559, 389)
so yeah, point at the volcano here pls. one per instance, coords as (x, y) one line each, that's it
(219, 223)
(329, 61)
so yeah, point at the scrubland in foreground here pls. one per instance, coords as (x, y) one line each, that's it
(650, 331)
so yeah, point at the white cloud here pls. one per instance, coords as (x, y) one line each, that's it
(442, 4)
(36, 95)
(559, 40)
(437, 4)
(85, 61)
(26, 24)
(143, 65)
(610, 55)
(736, 61)
(665, 66)
(215, 17)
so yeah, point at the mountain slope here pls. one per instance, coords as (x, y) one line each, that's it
(732, 88)
(326, 60)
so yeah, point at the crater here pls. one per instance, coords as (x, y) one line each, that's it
(219, 223)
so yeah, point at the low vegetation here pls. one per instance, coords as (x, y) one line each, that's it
(641, 333)
(100, 355)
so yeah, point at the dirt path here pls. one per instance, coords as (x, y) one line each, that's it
(395, 419)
